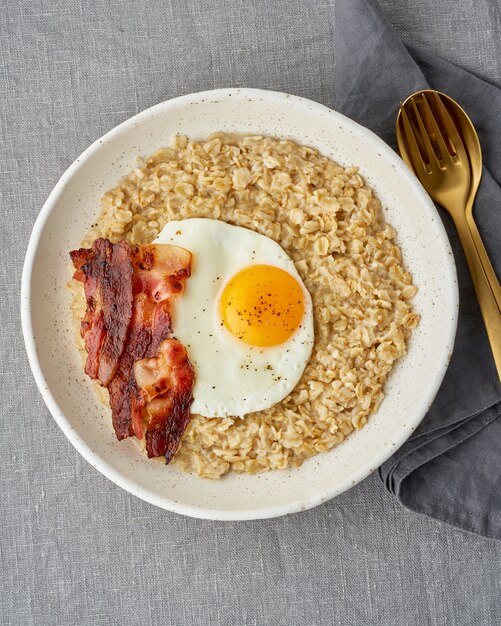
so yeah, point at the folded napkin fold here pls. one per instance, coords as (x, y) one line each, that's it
(450, 468)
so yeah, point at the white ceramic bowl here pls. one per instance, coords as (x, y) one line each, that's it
(72, 207)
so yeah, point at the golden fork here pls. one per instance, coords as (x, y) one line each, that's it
(426, 135)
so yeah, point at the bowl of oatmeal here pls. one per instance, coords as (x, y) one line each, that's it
(366, 241)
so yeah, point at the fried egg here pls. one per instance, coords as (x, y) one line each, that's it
(245, 317)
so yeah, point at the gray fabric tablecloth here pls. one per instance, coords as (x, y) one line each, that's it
(74, 548)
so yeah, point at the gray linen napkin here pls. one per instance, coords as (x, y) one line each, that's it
(450, 468)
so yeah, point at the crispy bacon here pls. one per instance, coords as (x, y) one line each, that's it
(151, 324)
(160, 270)
(128, 322)
(106, 271)
(166, 382)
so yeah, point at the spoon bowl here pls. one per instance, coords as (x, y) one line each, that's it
(471, 142)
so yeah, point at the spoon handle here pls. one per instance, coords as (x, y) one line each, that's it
(484, 259)
(486, 300)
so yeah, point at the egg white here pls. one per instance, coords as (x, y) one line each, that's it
(232, 378)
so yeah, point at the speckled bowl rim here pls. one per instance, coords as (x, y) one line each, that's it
(103, 466)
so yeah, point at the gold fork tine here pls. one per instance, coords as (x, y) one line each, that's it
(453, 135)
(438, 136)
(417, 159)
(430, 152)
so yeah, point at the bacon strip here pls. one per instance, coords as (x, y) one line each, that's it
(106, 271)
(166, 382)
(160, 270)
(151, 324)
(141, 280)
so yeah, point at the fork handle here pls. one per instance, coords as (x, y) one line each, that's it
(486, 299)
(484, 259)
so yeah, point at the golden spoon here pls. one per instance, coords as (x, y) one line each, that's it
(474, 151)
(430, 144)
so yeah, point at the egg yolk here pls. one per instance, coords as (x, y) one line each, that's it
(262, 305)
